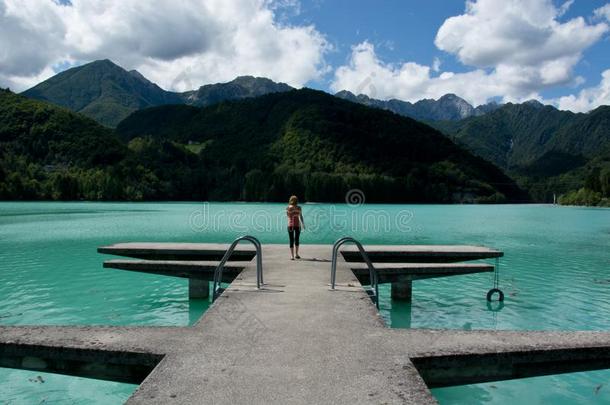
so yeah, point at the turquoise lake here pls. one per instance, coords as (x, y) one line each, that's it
(555, 274)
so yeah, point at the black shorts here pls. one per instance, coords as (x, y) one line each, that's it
(293, 234)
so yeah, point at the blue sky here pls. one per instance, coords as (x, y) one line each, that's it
(405, 30)
(556, 51)
(401, 30)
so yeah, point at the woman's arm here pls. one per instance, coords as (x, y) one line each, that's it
(301, 219)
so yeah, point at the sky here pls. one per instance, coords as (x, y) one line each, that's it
(555, 51)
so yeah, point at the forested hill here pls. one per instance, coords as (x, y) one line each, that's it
(48, 152)
(319, 146)
(517, 135)
(548, 151)
(51, 135)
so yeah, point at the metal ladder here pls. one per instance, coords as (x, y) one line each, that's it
(374, 291)
(217, 289)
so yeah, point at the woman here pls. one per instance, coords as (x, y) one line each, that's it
(295, 223)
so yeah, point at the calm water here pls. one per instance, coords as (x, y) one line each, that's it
(555, 275)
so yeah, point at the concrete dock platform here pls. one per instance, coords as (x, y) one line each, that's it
(393, 272)
(296, 341)
(177, 268)
(177, 251)
(420, 253)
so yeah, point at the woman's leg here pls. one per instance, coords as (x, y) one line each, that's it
(291, 238)
(297, 234)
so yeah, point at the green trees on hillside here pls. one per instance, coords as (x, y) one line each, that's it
(318, 146)
(301, 142)
(596, 190)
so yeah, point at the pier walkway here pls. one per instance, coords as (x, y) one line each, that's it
(296, 341)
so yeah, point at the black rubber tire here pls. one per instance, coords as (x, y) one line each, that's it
(495, 306)
(491, 292)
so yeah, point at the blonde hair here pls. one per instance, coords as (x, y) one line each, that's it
(293, 200)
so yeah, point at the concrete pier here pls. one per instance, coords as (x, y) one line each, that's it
(402, 289)
(421, 253)
(174, 268)
(199, 289)
(177, 251)
(296, 342)
(400, 265)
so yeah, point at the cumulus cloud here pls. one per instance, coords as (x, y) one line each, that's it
(206, 40)
(603, 12)
(515, 32)
(367, 74)
(565, 7)
(589, 98)
(516, 47)
(436, 65)
(31, 35)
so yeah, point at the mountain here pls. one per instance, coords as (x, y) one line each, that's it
(447, 108)
(264, 148)
(241, 87)
(108, 93)
(101, 90)
(49, 152)
(589, 184)
(516, 136)
(52, 135)
(547, 151)
(536, 144)
(319, 146)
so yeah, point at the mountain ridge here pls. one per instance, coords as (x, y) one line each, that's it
(548, 151)
(304, 132)
(516, 135)
(255, 149)
(106, 92)
(449, 107)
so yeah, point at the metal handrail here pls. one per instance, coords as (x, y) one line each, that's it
(216, 290)
(367, 260)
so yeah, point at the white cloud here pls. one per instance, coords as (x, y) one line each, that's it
(436, 65)
(26, 31)
(286, 8)
(523, 32)
(408, 81)
(589, 98)
(603, 12)
(206, 40)
(517, 48)
(565, 7)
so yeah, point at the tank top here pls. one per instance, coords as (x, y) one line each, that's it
(294, 212)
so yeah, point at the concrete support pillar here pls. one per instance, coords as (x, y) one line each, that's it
(199, 288)
(402, 289)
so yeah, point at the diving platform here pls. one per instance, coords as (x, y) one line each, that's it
(421, 253)
(394, 272)
(177, 251)
(199, 274)
(185, 269)
(396, 264)
(402, 275)
(194, 261)
(295, 341)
